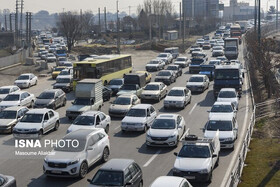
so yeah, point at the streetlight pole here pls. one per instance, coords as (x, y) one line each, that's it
(118, 29)
(259, 22)
(276, 15)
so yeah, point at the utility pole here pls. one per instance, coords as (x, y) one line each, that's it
(20, 26)
(99, 23)
(180, 27)
(150, 23)
(184, 29)
(11, 26)
(255, 16)
(30, 33)
(16, 22)
(6, 28)
(27, 29)
(276, 15)
(105, 19)
(118, 29)
(259, 22)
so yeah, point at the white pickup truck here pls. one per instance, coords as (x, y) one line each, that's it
(197, 158)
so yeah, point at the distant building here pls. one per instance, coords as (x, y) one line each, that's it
(238, 11)
(171, 35)
(201, 8)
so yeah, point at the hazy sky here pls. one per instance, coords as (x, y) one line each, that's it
(58, 5)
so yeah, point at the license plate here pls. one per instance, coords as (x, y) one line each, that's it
(56, 171)
(190, 177)
(159, 142)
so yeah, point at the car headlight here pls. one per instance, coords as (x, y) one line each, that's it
(203, 171)
(172, 136)
(33, 130)
(73, 162)
(148, 136)
(175, 170)
(124, 124)
(138, 124)
(228, 139)
(180, 102)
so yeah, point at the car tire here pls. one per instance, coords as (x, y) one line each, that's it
(105, 155)
(107, 129)
(29, 85)
(99, 108)
(185, 104)
(64, 102)
(145, 128)
(217, 162)
(123, 131)
(54, 106)
(31, 104)
(56, 126)
(83, 170)
(36, 82)
(177, 141)
(158, 99)
(141, 184)
(210, 177)
(40, 134)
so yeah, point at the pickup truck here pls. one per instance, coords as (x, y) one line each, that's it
(197, 158)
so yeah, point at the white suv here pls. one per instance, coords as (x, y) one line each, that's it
(139, 118)
(36, 122)
(166, 130)
(228, 95)
(74, 161)
(177, 97)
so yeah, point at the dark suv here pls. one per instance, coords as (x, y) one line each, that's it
(118, 172)
(52, 98)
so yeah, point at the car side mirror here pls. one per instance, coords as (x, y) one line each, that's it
(72, 103)
(45, 121)
(98, 123)
(89, 149)
(213, 156)
(128, 184)
(175, 153)
(148, 115)
(89, 180)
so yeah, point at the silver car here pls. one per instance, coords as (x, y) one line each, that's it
(154, 91)
(52, 98)
(198, 83)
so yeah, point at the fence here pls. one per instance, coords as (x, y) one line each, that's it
(268, 108)
(14, 59)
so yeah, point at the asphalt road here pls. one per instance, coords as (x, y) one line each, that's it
(154, 161)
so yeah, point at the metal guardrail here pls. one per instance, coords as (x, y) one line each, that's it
(268, 108)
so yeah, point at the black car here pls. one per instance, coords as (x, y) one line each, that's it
(176, 68)
(118, 172)
(65, 83)
(166, 76)
(7, 181)
(51, 98)
(106, 92)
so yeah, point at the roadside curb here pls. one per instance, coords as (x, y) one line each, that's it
(11, 66)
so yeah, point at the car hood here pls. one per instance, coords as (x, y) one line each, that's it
(165, 58)
(43, 101)
(195, 84)
(161, 132)
(150, 92)
(192, 164)
(120, 107)
(62, 84)
(2, 96)
(220, 114)
(114, 86)
(126, 92)
(59, 156)
(129, 119)
(152, 65)
(6, 122)
(78, 108)
(179, 62)
(77, 127)
(173, 98)
(26, 125)
(9, 103)
(21, 81)
(228, 100)
(222, 134)
(162, 77)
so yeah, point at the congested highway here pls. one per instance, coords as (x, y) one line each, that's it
(153, 161)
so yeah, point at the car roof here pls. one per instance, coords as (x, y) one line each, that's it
(173, 65)
(90, 113)
(228, 89)
(167, 116)
(218, 117)
(12, 86)
(17, 92)
(117, 164)
(167, 181)
(154, 83)
(38, 111)
(27, 74)
(141, 106)
(198, 75)
(14, 108)
(127, 95)
(182, 57)
(222, 103)
(51, 90)
(178, 88)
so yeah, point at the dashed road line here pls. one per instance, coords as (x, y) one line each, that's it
(152, 158)
(193, 108)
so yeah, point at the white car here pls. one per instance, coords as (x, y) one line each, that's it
(154, 91)
(66, 73)
(73, 161)
(227, 126)
(5, 90)
(139, 118)
(36, 122)
(122, 104)
(166, 57)
(91, 120)
(177, 97)
(228, 95)
(166, 130)
(198, 83)
(170, 181)
(26, 80)
(182, 62)
(50, 57)
(155, 65)
(19, 98)
(200, 42)
(222, 108)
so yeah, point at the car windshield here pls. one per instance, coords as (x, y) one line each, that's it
(50, 55)
(62, 59)
(68, 64)
(153, 62)
(64, 73)
(213, 62)
(32, 118)
(200, 40)
(221, 108)
(23, 77)
(135, 112)
(172, 68)
(8, 114)
(4, 90)
(176, 93)
(217, 48)
(227, 74)
(227, 94)
(214, 125)
(197, 61)
(116, 82)
(196, 79)
(206, 68)
(84, 101)
(152, 87)
(128, 87)
(11, 98)
(72, 147)
(108, 178)
(63, 80)
(58, 69)
(180, 59)
(194, 151)
(162, 55)
(231, 48)
(122, 101)
(164, 73)
(163, 124)
(84, 120)
(46, 95)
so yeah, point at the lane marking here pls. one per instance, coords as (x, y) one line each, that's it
(117, 127)
(187, 132)
(193, 108)
(152, 158)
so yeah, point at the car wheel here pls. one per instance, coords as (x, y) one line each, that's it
(141, 184)
(210, 177)
(145, 129)
(99, 108)
(31, 104)
(83, 170)
(107, 129)
(64, 102)
(105, 155)
(54, 106)
(123, 131)
(29, 85)
(56, 126)
(158, 99)
(217, 162)
(36, 82)
(40, 134)
(177, 141)
(184, 106)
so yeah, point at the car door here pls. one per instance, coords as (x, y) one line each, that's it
(92, 149)
(135, 100)
(46, 123)
(24, 99)
(28, 98)
(59, 99)
(179, 125)
(152, 115)
(187, 95)
(52, 119)
(127, 178)
(104, 120)
(135, 178)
